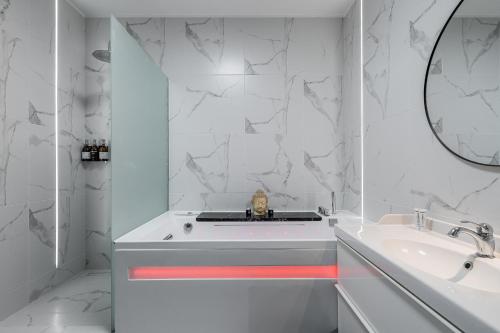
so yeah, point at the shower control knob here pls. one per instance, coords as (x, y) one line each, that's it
(188, 227)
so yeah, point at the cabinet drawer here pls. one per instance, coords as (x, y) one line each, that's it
(350, 319)
(384, 303)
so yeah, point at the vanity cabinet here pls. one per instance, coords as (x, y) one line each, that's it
(371, 301)
(350, 320)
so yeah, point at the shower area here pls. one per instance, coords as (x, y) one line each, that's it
(97, 85)
(62, 276)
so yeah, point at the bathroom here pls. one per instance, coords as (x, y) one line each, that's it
(209, 109)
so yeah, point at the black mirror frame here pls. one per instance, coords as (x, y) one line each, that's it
(427, 73)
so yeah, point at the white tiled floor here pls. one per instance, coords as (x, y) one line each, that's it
(80, 305)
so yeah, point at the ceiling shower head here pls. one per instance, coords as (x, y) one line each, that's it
(103, 55)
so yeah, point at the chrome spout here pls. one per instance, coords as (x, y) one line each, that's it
(483, 238)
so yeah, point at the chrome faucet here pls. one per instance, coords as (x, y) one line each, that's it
(483, 237)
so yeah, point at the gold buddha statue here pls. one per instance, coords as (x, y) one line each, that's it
(259, 203)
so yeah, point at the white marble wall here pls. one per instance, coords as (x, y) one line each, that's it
(405, 165)
(27, 154)
(463, 90)
(71, 113)
(98, 125)
(351, 96)
(26, 150)
(254, 103)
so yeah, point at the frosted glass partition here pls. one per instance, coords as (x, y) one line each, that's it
(139, 133)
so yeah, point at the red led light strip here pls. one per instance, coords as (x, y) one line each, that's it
(232, 272)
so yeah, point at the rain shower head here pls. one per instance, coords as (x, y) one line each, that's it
(103, 55)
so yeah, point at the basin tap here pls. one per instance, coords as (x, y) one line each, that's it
(483, 237)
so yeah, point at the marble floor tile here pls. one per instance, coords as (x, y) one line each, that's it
(82, 304)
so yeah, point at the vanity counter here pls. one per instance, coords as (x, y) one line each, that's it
(412, 258)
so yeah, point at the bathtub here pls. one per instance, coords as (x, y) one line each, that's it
(174, 274)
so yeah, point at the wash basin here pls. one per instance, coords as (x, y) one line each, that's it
(457, 267)
(434, 260)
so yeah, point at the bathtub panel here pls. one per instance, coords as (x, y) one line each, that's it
(224, 306)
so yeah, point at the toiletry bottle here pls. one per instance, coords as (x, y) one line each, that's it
(103, 151)
(420, 218)
(86, 151)
(94, 151)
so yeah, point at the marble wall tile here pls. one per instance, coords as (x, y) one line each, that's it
(14, 258)
(239, 88)
(206, 104)
(210, 45)
(27, 156)
(265, 105)
(316, 46)
(405, 165)
(275, 165)
(42, 238)
(253, 103)
(97, 125)
(42, 162)
(27, 149)
(13, 162)
(265, 45)
(207, 163)
(350, 195)
(13, 240)
(71, 117)
(98, 222)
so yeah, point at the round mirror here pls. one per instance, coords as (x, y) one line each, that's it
(462, 86)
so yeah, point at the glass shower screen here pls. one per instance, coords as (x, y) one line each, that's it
(139, 132)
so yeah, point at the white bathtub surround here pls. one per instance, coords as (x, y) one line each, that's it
(405, 165)
(217, 257)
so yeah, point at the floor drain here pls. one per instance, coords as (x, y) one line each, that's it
(468, 265)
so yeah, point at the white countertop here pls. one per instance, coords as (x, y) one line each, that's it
(282, 234)
(469, 309)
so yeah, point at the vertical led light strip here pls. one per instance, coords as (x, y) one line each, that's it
(362, 119)
(56, 121)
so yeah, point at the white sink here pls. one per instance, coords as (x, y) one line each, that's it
(446, 263)
(431, 259)
(485, 276)
(430, 265)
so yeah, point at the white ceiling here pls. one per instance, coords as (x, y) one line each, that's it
(213, 8)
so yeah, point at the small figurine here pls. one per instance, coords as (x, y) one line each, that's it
(259, 203)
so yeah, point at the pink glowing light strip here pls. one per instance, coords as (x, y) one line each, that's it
(232, 272)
